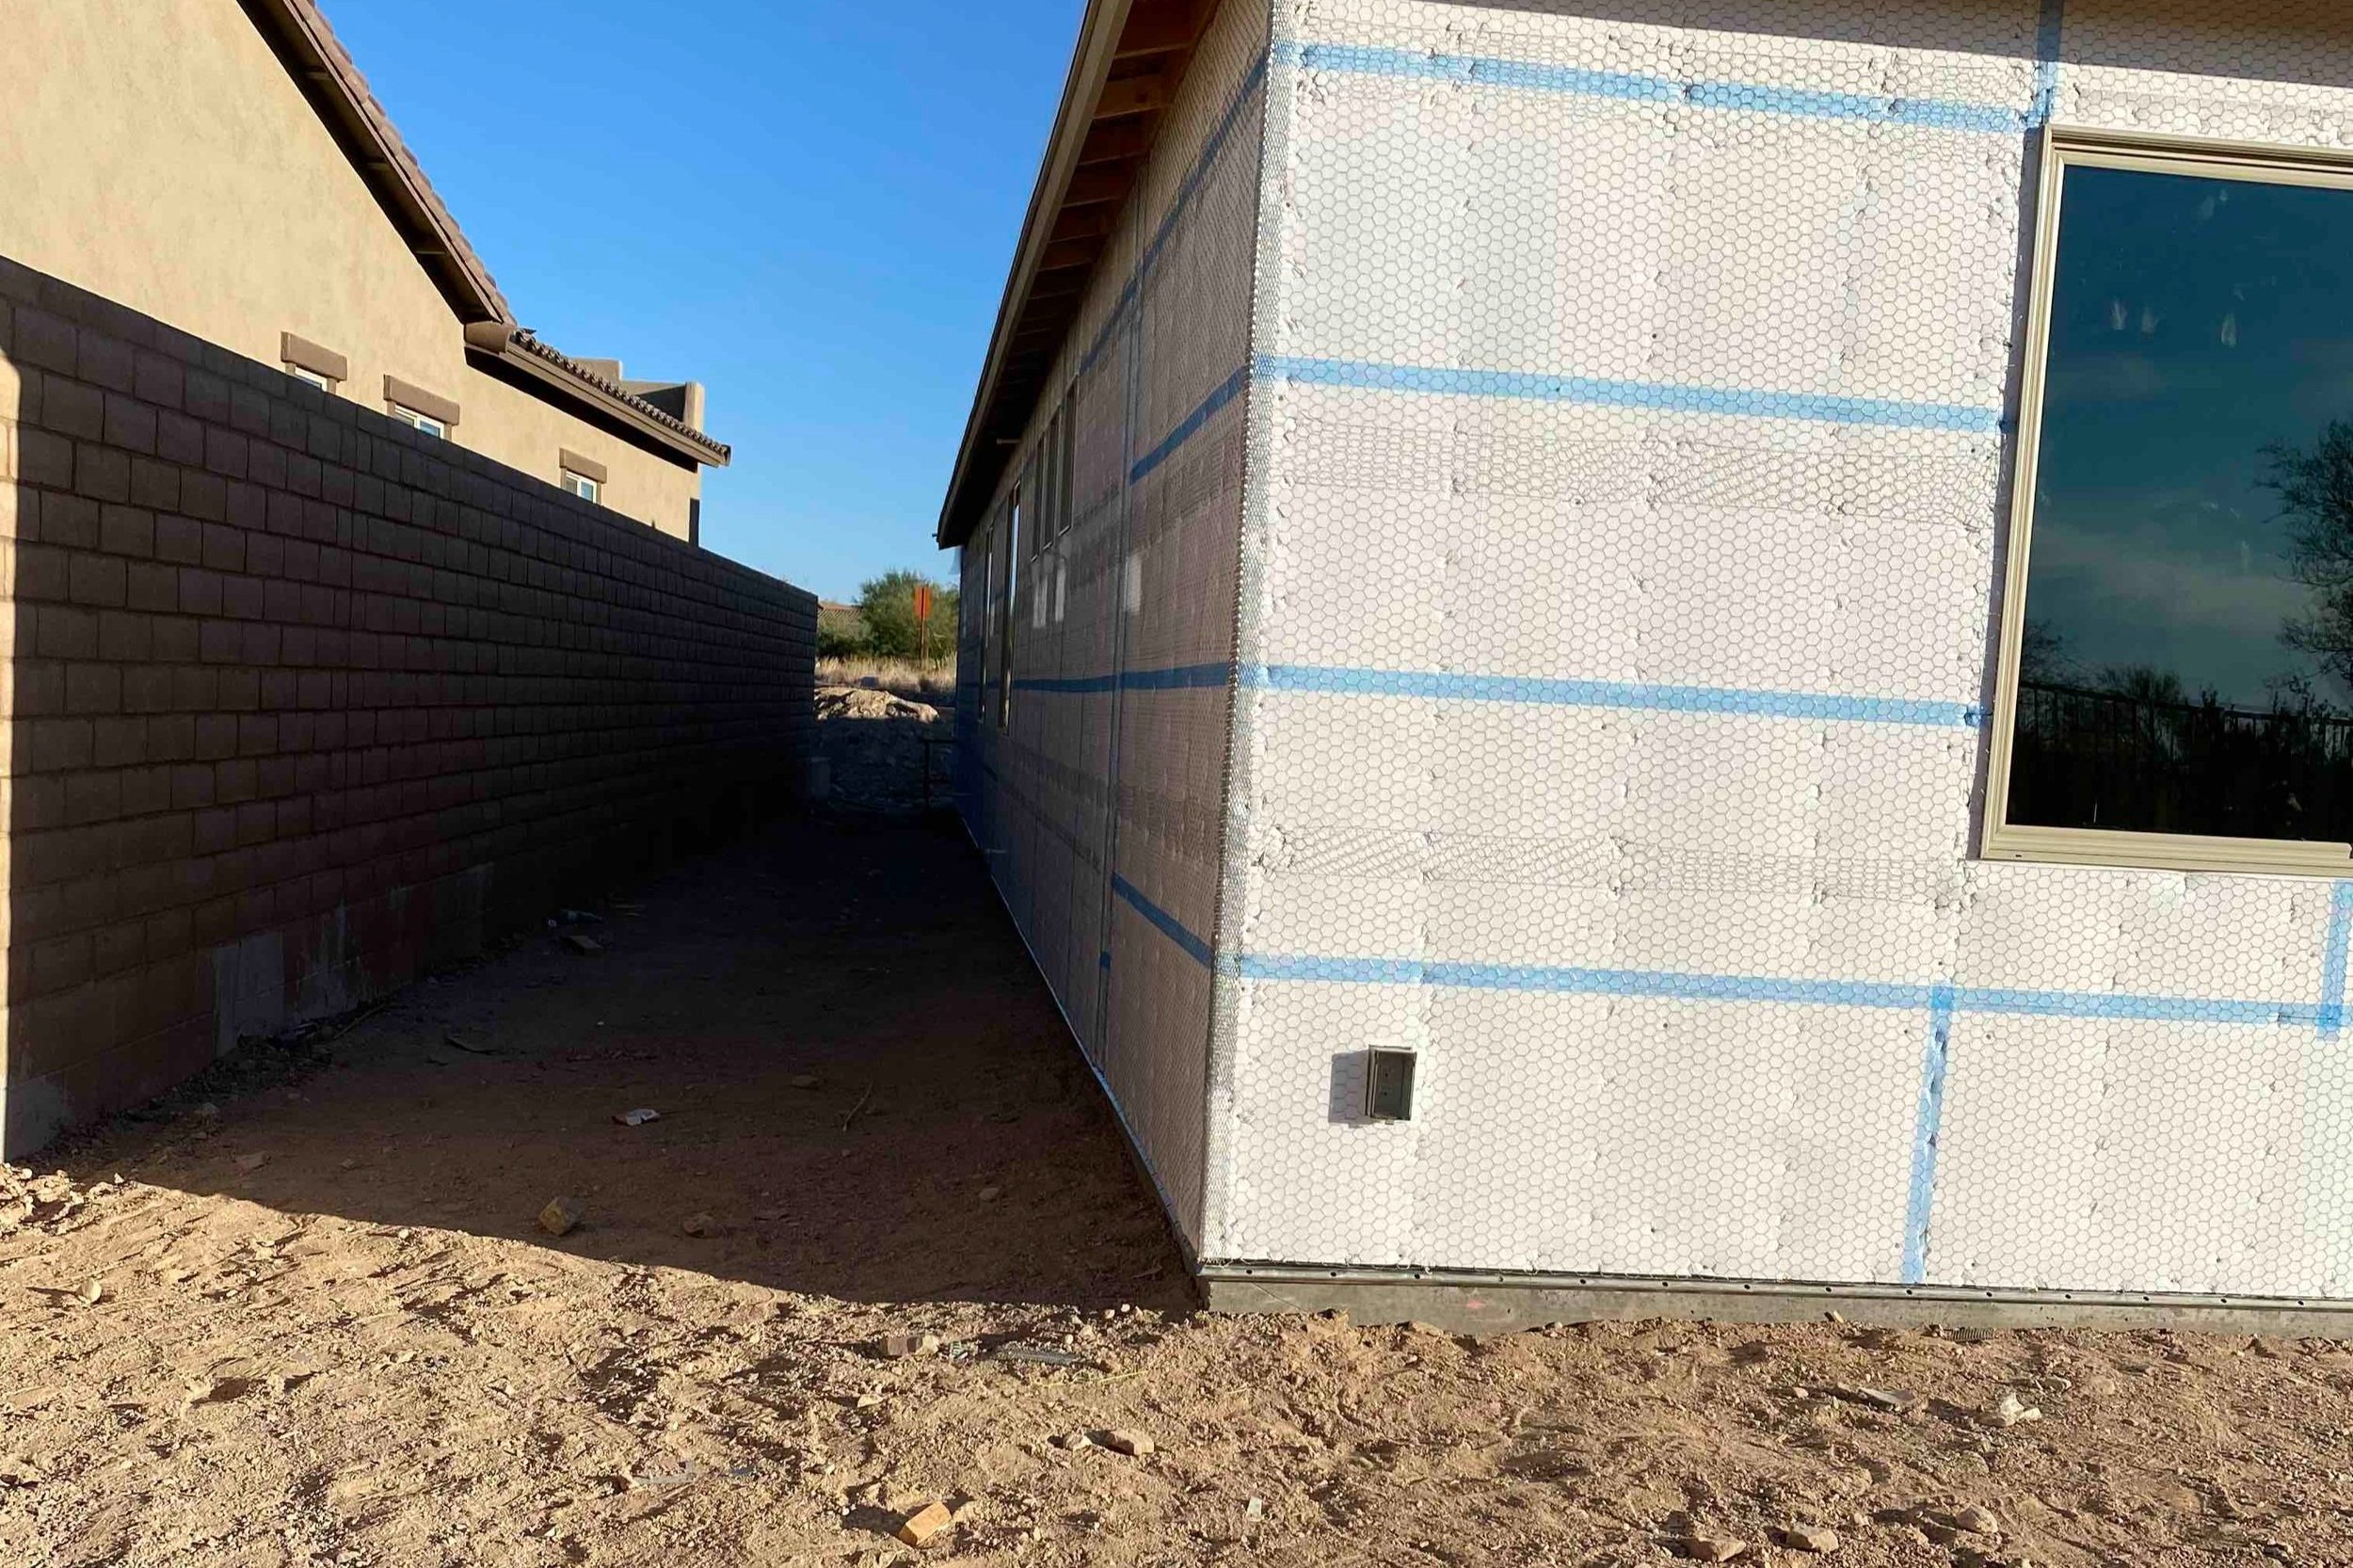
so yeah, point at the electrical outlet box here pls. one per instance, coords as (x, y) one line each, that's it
(1389, 1086)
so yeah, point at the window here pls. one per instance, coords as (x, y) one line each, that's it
(2177, 649)
(1009, 567)
(419, 409)
(583, 475)
(305, 361)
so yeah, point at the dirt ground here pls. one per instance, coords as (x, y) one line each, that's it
(301, 1315)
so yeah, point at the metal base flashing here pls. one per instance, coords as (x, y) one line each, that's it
(1463, 1302)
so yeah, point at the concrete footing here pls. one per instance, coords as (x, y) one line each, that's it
(1503, 1303)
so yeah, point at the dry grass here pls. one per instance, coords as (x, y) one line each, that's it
(930, 682)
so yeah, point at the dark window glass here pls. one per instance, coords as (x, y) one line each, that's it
(2188, 651)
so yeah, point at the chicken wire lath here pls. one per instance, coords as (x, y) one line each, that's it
(1123, 650)
(1616, 486)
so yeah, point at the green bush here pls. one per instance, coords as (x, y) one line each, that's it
(886, 606)
(840, 633)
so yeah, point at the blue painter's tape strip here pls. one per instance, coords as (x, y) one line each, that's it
(2050, 38)
(1661, 396)
(2332, 965)
(1179, 677)
(1927, 1134)
(1165, 924)
(1613, 983)
(1628, 87)
(1194, 178)
(1182, 678)
(1191, 426)
(1682, 986)
(1609, 694)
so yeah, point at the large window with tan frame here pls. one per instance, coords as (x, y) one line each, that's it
(2176, 673)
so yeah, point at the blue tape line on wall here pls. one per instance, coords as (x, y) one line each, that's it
(1937, 113)
(1665, 397)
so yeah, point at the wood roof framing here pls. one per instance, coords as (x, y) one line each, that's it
(1131, 58)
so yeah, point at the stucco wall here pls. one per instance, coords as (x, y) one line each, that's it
(157, 153)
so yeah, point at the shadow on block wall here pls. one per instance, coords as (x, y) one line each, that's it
(302, 702)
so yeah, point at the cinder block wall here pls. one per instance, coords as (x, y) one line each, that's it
(300, 702)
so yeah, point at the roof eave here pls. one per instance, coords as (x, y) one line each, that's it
(552, 368)
(327, 74)
(1090, 68)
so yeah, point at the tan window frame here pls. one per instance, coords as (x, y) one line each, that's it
(2063, 147)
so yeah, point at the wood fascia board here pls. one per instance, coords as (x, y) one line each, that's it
(1090, 68)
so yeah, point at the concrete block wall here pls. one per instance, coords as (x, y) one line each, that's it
(300, 702)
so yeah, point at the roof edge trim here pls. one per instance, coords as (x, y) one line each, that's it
(327, 74)
(558, 371)
(1090, 68)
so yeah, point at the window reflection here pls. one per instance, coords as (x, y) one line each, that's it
(2189, 658)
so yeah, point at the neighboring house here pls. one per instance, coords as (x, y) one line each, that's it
(220, 164)
(1602, 654)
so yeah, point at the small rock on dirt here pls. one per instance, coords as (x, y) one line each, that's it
(1894, 1401)
(698, 1225)
(1817, 1539)
(806, 1081)
(918, 1528)
(898, 1347)
(1135, 1444)
(989, 1194)
(584, 946)
(1977, 1521)
(2010, 1411)
(638, 1117)
(1711, 1548)
(560, 1215)
(253, 1161)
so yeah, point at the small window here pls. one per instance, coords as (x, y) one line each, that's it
(581, 485)
(2177, 651)
(305, 361)
(416, 420)
(1009, 585)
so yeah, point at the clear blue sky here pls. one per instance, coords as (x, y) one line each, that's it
(809, 206)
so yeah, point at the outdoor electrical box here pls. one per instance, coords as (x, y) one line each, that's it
(1389, 1086)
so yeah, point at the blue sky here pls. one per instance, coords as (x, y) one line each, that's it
(808, 207)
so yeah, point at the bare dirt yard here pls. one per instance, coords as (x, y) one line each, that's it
(303, 1314)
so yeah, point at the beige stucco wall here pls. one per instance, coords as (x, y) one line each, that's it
(156, 152)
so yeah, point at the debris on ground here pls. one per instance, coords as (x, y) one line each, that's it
(1135, 1444)
(880, 746)
(638, 1117)
(698, 1225)
(560, 1215)
(918, 1528)
(1817, 1538)
(898, 1347)
(586, 946)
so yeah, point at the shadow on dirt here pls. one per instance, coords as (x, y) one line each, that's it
(864, 1090)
